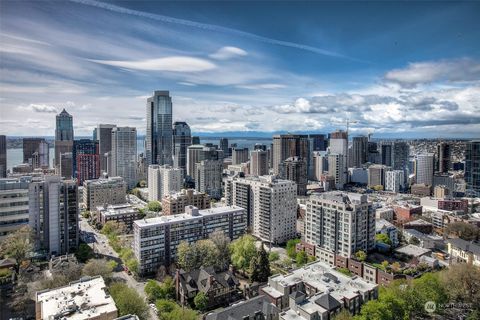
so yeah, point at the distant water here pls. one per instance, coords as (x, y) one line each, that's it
(15, 156)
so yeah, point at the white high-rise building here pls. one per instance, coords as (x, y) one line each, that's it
(339, 223)
(320, 164)
(53, 215)
(163, 180)
(270, 202)
(13, 204)
(394, 180)
(424, 168)
(124, 154)
(339, 147)
(208, 177)
(336, 169)
(259, 163)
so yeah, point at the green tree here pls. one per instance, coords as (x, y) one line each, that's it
(260, 266)
(200, 301)
(110, 228)
(222, 243)
(128, 301)
(463, 230)
(98, 267)
(375, 310)
(301, 258)
(165, 306)
(242, 251)
(273, 256)
(84, 252)
(462, 282)
(343, 315)
(381, 237)
(168, 288)
(360, 255)
(153, 291)
(384, 265)
(292, 247)
(169, 310)
(206, 253)
(155, 206)
(185, 256)
(17, 245)
(132, 265)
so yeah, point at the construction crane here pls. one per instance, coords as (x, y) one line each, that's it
(348, 122)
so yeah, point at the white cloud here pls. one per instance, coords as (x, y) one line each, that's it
(428, 72)
(42, 108)
(262, 86)
(172, 64)
(228, 53)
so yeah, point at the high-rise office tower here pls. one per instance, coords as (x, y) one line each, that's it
(271, 205)
(295, 169)
(224, 146)
(163, 180)
(86, 160)
(259, 146)
(340, 223)
(376, 175)
(444, 157)
(401, 152)
(472, 166)
(66, 165)
(13, 204)
(239, 155)
(339, 147)
(320, 164)
(195, 140)
(159, 129)
(104, 138)
(199, 152)
(63, 137)
(3, 156)
(208, 177)
(289, 145)
(124, 154)
(359, 151)
(53, 215)
(259, 163)
(182, 139)
(424, 168)
(373, 154)
(318, 142)
(386, 153)
(336, 169)
(36, 152)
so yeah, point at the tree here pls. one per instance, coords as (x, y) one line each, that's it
(222, 243)
(463, 230)
(198, 254)
(273, 256)
(155, 206)
(185, 257)
(301, 258)
(128, 301)
(110, 228)
(292, 247)
(414, 241)
(343, 315)
(242, 251)
(98, 267)
(462, 282)
(168, 288)
(165, 306)
(169, 310)
(381, 237)
(84, 252)
(200, 301)
(132, 265)
(17, 245)
(361, 255)
(153, 291)
(384, 264)
(395, 266)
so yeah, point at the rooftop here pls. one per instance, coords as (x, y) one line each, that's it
(83, 299)
(412, 250)
(117, 209)
(245, 308)
(465, 245)
(184, 217)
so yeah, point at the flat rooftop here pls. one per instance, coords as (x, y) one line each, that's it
(77, 301)
(117, 209)
(183, 217)
(413, 250)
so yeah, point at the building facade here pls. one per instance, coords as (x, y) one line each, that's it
(104, 138)
(3, 156)
(104, 191)
(208, 177)
(63, 137)
(295, 169)
(163, 180)
(286, 146)
(259, 163)
(472, 166)
(159, 134)
(124, 154)
(13, 205)
(424, 168)
(175, 203)
(239, 155)
(86, 160)
(182, 139)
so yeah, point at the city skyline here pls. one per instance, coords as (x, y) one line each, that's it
(308, 69)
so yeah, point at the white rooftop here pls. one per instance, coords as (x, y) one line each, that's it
(77, 301)
(412, 250)
(117, 209)
(184, 217)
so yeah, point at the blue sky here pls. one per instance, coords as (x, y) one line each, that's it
(405, 69)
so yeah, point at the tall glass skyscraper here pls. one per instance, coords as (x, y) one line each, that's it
(472, 166)
(63, 136)
(182, 139)
(159, 133)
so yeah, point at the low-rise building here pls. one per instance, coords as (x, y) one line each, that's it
(155, 240)
(104, 191)
(318, 291)
(382, 226)
(86, 298)
(445, 204)
(175, 203)
(413, 251)
(406, 212)
(258, 308)
(384, 213)
(425, 241)
(220, 288)
(419, 225)
(421, 190)
(464, 251)
(124, 213)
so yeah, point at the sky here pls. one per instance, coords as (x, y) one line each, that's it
(394, 69)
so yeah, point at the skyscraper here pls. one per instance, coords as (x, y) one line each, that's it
(208, 177)
(163, 180)
(159, 129)
(224, 146)
(376, 175)
(182, 139)
(36, 152)
(259, 163)
(239, 155)
(359, 151)
(124, 154)
(104, 138)
(199, 152)
(289, 145)
(386, 153)
(339, 147)
(86, 160)
(472, 165)
(401, 151)
(295, 169)
(53, 215)
(3, 156)
(63, 137)
(336, 169)
(318, 142)
(443, 157)
(424, 168)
